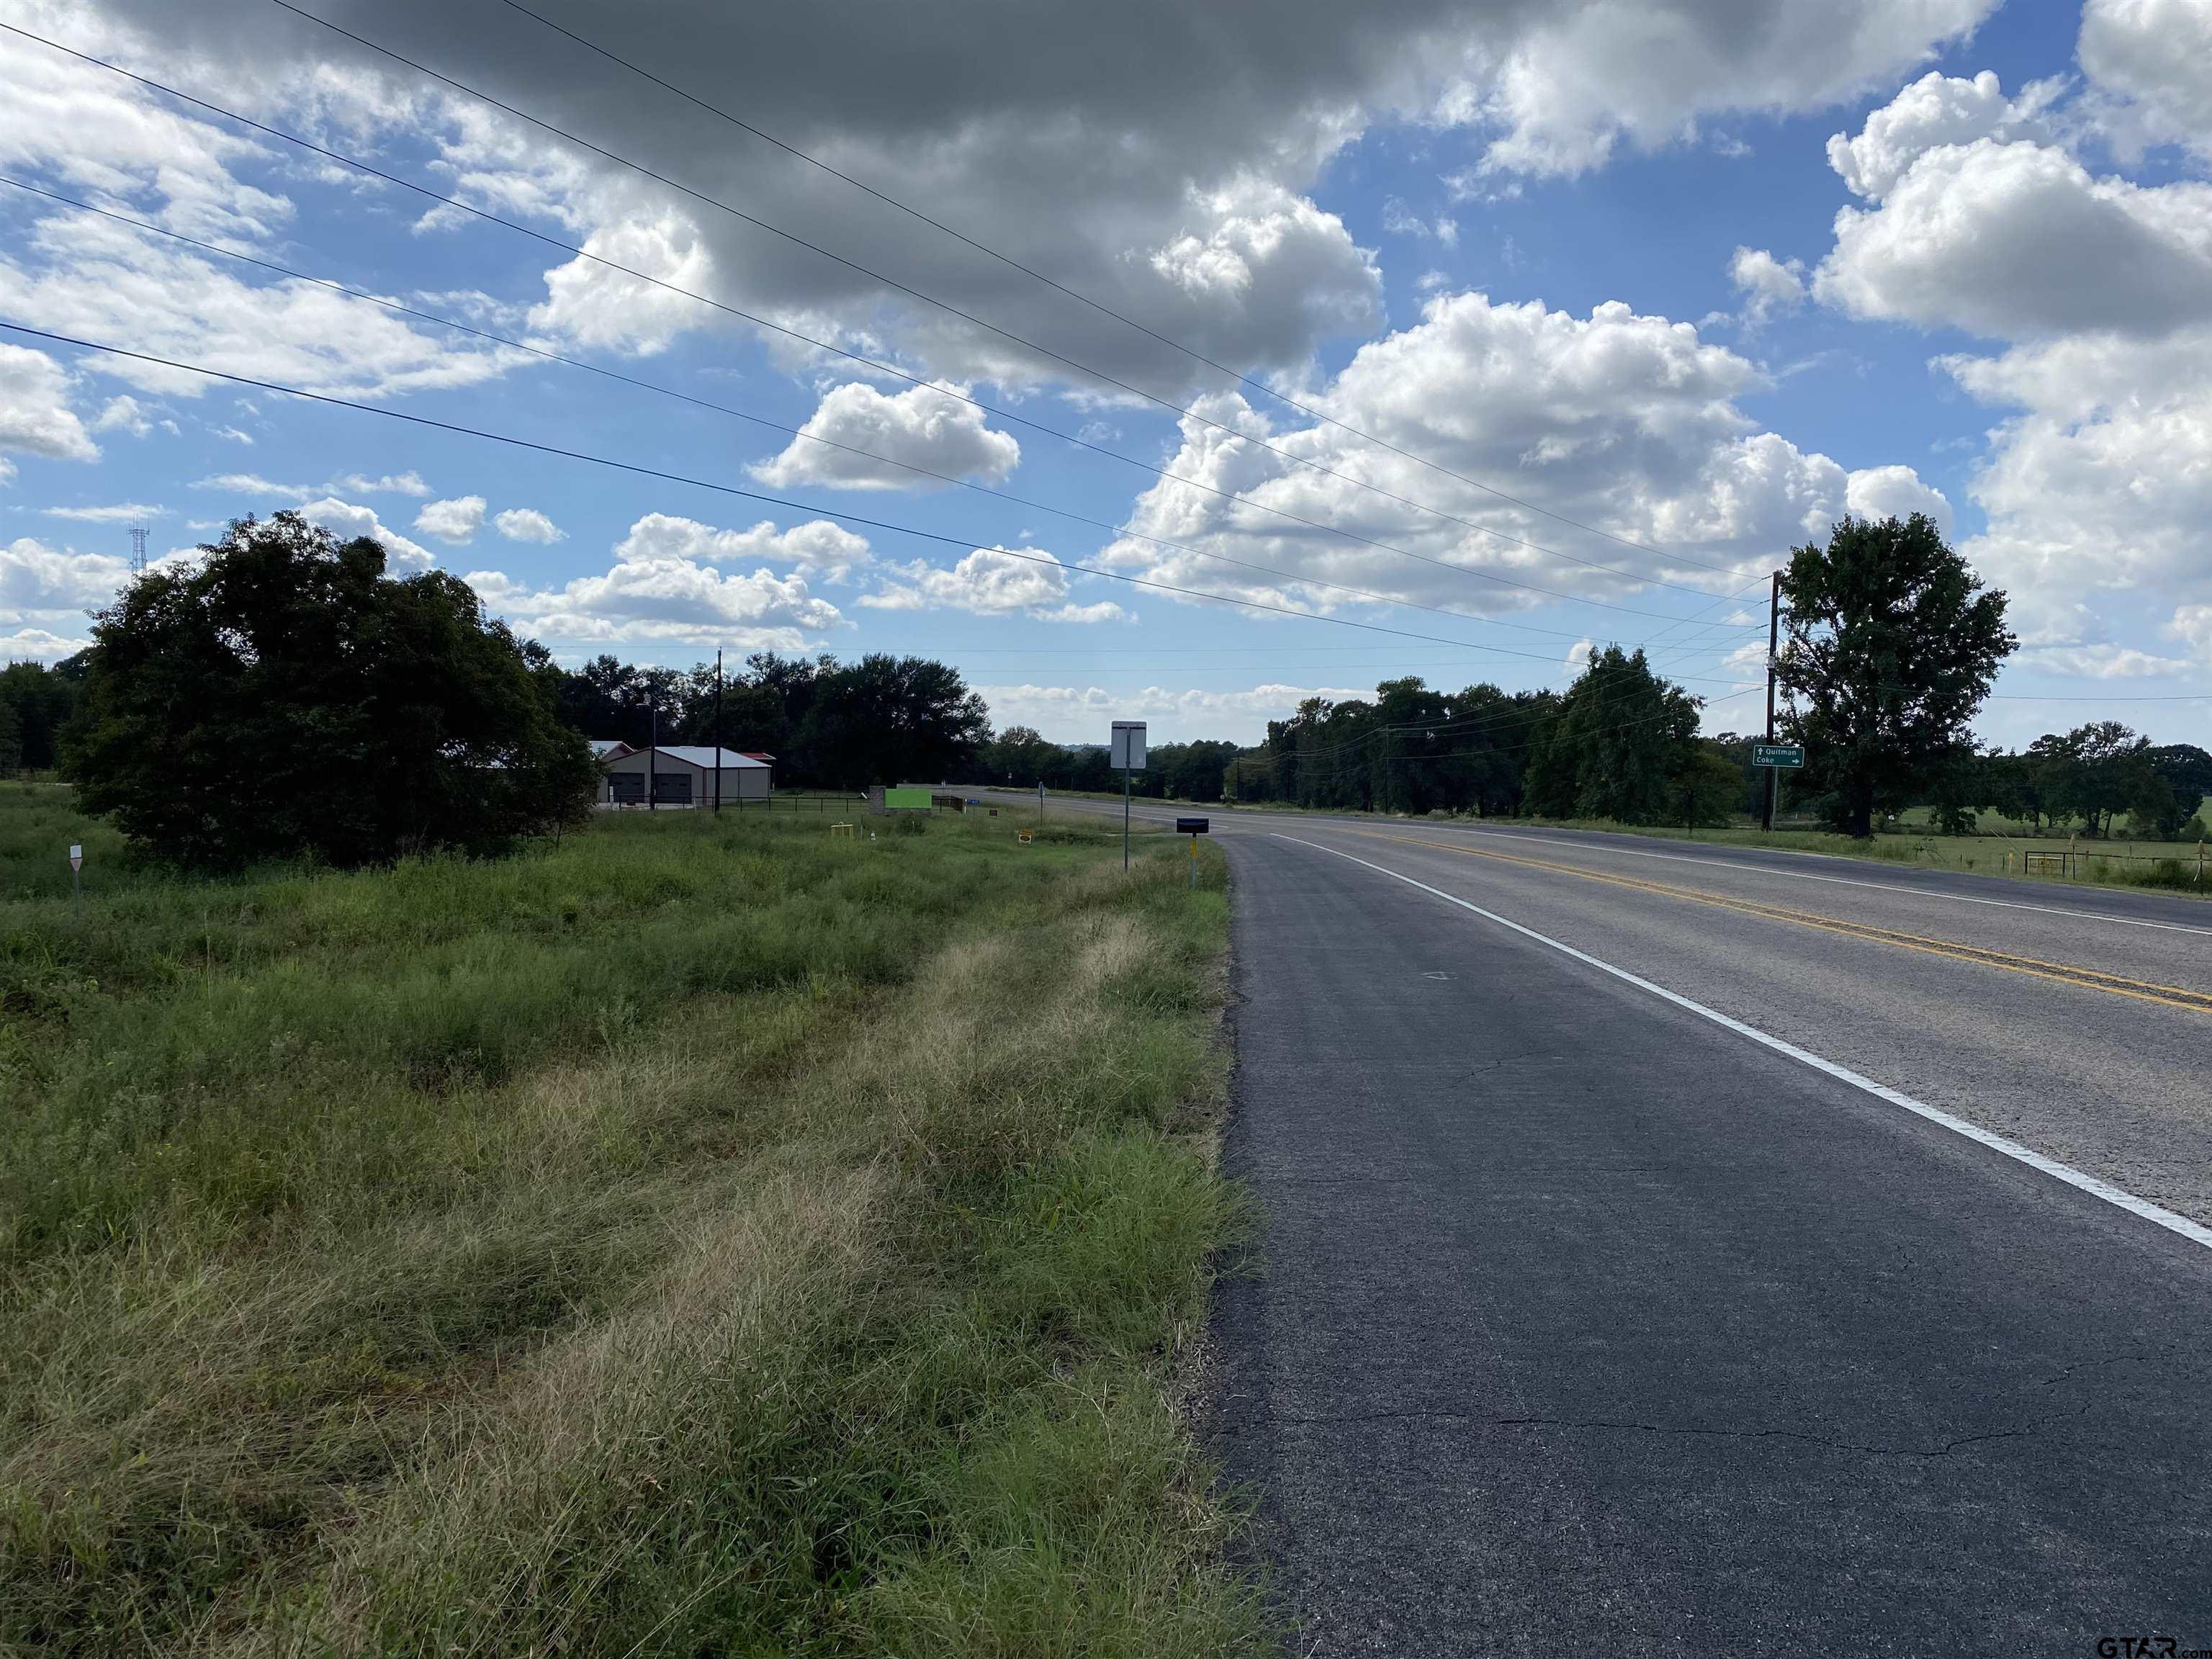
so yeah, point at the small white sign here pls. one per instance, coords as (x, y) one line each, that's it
(77, 856)
(1128, 745)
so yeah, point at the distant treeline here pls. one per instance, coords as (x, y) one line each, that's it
(2081, 779)
(226, 712)
(36, 702)
(829, 725)
(1621, 743)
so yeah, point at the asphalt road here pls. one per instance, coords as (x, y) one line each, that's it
(1634, 1279)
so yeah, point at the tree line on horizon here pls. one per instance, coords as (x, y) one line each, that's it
(286, 695)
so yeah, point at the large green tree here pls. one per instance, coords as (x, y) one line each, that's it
(1616, 748)
(888, 720)
(282, 695)
(1892, 644)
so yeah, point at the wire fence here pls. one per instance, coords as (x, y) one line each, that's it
(821, 805)
(2173, 864)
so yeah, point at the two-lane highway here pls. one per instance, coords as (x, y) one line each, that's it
(1669, 1249)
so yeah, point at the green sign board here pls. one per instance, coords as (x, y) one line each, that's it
(907, 799)
(1777, 754)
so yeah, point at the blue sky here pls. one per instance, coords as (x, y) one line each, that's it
(1685, 280)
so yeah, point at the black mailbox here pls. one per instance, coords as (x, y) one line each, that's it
(1190, 826)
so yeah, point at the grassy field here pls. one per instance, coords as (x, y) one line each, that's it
(702, 1236)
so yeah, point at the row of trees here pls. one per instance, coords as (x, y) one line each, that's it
(285, 694)
(2083, 780)
(829, 725)
(1621, 743)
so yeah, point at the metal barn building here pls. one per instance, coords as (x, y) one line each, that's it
(681, 776)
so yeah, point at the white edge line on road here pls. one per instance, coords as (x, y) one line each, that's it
(1997, 1143)
(1842, 881)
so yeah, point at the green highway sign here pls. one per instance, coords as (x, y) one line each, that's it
(1777, 754)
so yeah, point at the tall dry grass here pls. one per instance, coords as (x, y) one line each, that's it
(699, 1237)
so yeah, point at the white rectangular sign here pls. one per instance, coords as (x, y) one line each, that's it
(77, 856)
(1128, 745)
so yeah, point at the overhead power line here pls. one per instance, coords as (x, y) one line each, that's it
(371, 171)
(667, 476)
(1098, 306)
(401, 309)
(952, 310)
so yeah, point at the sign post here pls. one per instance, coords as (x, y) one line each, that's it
(76, 876)
(1128, 756)
(1040, 802)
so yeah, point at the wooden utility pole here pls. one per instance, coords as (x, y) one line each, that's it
(718, 728)
(1773, 645)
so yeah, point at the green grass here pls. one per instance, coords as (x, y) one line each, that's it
(700, 1236)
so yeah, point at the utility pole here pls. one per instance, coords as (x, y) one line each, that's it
(1773, 645)
(653, 754)
(718, 729)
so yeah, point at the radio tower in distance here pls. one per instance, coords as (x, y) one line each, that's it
(138, 551)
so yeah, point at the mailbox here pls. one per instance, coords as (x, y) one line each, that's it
(1190, 826)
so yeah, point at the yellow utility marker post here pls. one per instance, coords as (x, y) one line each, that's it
(1193, 828)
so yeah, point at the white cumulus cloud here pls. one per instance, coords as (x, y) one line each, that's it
(992, 581)
(1980, 221)
(922, 426)
(2150, 62)
(1770, 286)
(827, 549)
(112, 513)
(670, 601)
(391, 484)
(43, 583)
(2097, 479)
(346, 520)
(527, 523)
(454, 520)
(1895, 492)
(35, 416)
(1624, 422)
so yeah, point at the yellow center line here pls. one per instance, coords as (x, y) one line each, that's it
(2093, 979)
